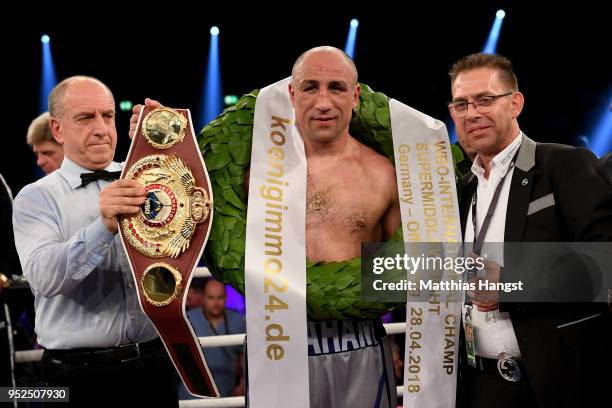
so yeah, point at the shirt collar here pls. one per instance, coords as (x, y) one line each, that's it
(501, 162)
(71, 171)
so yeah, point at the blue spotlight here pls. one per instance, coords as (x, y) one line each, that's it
(48, 79)
(491, 44)
(349, 48)
(212, 98)
(601, 134)
(452, 133)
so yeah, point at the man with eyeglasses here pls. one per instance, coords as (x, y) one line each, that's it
(525, 354)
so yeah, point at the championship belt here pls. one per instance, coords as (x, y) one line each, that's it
(165, 240)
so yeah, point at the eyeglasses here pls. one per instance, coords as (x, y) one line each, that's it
(482, 104)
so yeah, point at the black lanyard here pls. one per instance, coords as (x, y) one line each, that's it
(479, 238)
(212, 326)
(226, 350)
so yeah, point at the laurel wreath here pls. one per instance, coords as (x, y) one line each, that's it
(333, 288)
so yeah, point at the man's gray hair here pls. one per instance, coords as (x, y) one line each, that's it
(56, 97)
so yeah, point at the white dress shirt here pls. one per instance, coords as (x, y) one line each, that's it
(79, 273)
(493, 331)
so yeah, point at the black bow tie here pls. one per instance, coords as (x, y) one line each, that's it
(87, 178)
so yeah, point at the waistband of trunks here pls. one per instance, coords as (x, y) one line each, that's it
(338, 336)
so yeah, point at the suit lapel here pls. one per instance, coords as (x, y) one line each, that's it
(520, 191)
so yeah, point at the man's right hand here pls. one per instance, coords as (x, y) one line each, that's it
(486, 300)
(136, 113)
(120, 197)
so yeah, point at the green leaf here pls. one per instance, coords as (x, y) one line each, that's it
(218, 147)
(223, 182)
(240, 150)
(236, 128)
(216, 161)
(380, 99)
(210, 130)
(235, 170)
(346, 302)
(314, 290)
(238, 230)
(325, 280)
(238, 245)
(230, 195)
(367, 112)
(317, 308)
(343, 281)
(228, 222)
(383, 116)
(244, 117)
(229, 210)
(365, 89)
(237, 181)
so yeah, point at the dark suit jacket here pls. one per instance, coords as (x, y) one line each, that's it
(557, 195)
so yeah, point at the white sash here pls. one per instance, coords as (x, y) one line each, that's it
(275, 256)
(430, 213)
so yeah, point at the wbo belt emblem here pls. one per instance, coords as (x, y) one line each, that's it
(173, 206)
(162, 128)
(509, 369)
(159, 207)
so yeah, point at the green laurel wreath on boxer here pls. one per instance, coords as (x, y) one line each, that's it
(333, 288)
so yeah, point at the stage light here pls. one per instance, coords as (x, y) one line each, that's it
(126, 106)
(48, 78)
(230, 99)
(601, 133)
(211, 102)
(491, 44)
(349, 47)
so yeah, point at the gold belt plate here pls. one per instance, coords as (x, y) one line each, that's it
(174, 205)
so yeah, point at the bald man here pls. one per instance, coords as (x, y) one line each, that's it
(97, 340)
(212, 318)
(351, 198)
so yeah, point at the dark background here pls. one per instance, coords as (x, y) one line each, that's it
(561, 56)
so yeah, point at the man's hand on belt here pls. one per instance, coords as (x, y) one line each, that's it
(487, 300)
(136, 113)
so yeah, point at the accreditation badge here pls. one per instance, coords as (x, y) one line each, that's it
(468, 329)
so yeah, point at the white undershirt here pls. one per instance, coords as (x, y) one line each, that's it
(493, 331)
